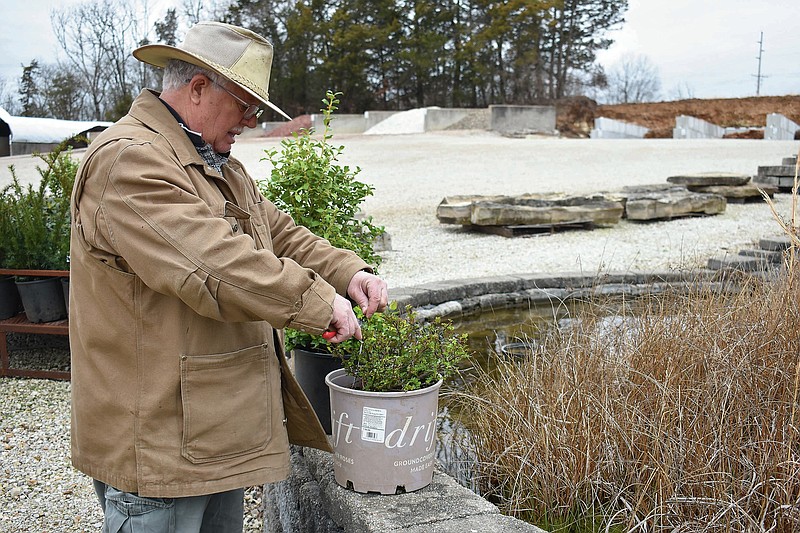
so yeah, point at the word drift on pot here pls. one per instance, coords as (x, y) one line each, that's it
(373, 429)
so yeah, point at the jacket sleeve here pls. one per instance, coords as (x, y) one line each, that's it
(144, 208)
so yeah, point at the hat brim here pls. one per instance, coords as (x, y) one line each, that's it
(159, 55)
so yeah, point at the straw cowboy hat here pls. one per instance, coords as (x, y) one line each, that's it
(243, 57)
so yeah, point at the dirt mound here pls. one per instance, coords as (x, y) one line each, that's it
(303, 122)
(575, 116)
(659, 117)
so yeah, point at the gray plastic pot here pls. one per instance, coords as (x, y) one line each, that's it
(383, 442)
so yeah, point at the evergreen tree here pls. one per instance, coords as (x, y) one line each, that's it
(29, 92)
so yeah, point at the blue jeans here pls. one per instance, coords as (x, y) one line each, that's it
(126, 512)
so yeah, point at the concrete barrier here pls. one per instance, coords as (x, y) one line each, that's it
(373, 117)
(608, 128)
(441, 118)
(523, 119)
(780, 128)
(694, 128)
(340, 123)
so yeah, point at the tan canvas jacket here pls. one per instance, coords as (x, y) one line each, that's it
(181, 278)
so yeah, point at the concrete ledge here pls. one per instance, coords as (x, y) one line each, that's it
(442, 507)
(469, 296)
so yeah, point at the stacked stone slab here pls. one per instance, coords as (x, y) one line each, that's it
(665, 202)
(512, 216)
(528, 213)
(694, 128)
(770, 254)
(608, 128)
(780, 176)
(780, 128)
(736, 188)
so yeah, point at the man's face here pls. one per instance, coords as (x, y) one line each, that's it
(224, 115)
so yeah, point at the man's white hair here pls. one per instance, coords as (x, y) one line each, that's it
(178, 73)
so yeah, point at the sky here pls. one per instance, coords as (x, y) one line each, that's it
(701, 48)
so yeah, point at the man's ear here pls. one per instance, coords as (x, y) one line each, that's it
(197, 85)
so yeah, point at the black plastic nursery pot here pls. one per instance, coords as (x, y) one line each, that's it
(310, 369)
(10, 304)
(42, 299)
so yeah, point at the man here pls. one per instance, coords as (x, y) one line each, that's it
(182, 275)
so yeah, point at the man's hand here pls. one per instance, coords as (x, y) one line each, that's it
(344, 323)
(369, 292)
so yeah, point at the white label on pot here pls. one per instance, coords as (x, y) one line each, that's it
(373, 424)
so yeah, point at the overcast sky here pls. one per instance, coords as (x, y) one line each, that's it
(701, 48)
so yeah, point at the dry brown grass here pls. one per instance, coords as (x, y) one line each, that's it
(680, 414)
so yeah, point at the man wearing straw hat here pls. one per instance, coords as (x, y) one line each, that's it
(182, 276)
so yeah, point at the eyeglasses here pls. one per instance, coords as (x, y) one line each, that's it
(249, 110)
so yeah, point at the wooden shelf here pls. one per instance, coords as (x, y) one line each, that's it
(21, 324)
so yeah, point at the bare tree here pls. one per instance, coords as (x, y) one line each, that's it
(196, 10)
(7, 97)
(633, 79)
(682, 91)
(97, 38)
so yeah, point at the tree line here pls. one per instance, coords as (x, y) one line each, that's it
(381, 54)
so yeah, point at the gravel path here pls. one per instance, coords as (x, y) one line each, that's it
(39, 491)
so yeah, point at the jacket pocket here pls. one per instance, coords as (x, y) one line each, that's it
(226, 404)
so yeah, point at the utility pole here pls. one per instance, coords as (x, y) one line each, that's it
(760, 52)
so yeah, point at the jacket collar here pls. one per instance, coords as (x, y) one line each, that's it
(156, 115)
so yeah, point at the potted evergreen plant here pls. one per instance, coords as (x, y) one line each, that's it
(308, 183)
(37, 233)
(384, 401)
(9, 296)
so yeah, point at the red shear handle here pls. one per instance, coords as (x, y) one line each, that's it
(328, 335)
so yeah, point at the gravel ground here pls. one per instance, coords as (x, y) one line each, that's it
(40, 492)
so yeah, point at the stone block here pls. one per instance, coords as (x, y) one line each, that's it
(782, 171)
(738, 262)
(768, 256)
(654, 203)
(706, 179)
(739, 194)
(775, 244)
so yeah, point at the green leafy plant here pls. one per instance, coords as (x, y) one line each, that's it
(308, 183)
(35, 219)
(399, 352)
